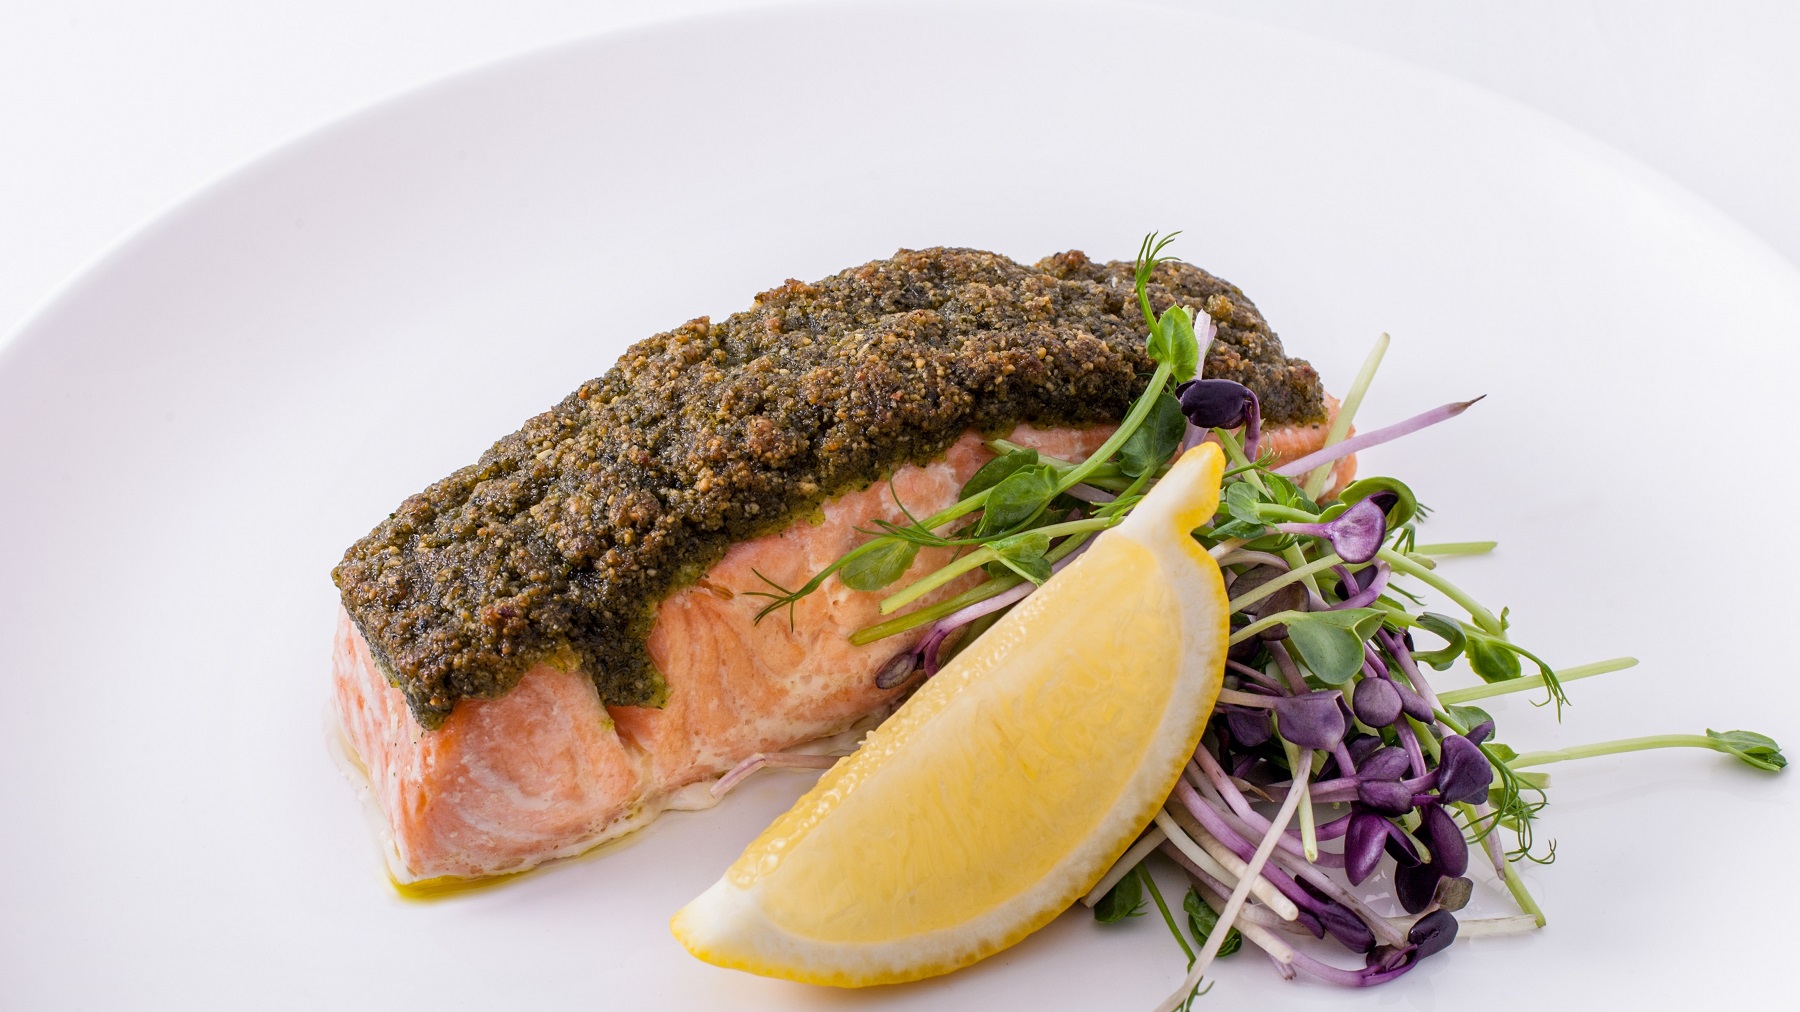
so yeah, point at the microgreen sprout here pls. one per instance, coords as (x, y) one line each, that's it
(1327, 709)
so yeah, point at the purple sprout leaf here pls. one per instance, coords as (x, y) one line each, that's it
(1414, 704)
(898, 670)
(1355, 534)
(1415, 885)
(1376, 702)
(1364, 842)
(1249, 725)
(1311, 721)
(1345, 926)
(1432, 933)
(1389, 797)
(1481, 732)
(1386, 763)
(1464, 773)
(1449, 850)
(1216, 403)
(1331, 642)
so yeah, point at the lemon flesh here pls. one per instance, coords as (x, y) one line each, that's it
(1008, 784)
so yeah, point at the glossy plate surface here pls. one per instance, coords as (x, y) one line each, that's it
(196, 429)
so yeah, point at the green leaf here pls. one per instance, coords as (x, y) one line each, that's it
(1468, 716)
(1124, 899)
(1285, 493)
(1202, 919)
(1242, 503)
(1172, 341)
(1492, 658)
(1331, 642)
(1024, 555)
(1331, 652)
(1504, 753)
(1403, 510)
(1452, 632)
(1017, 499)
(1759, 750)
(879, 566)
(1152, 443)
(997, 470)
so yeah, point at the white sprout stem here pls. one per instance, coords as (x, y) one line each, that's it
(1251, 558)
(1494, 927)
(1212, 860)
(1340, 426)
(771, 760)
(1225, 549)
(1537, 680)
(1236, 698)
(1122, 867)
(1228, 916)
(1254, 932)
(1216, 892)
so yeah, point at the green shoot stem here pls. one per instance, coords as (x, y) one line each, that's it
(1133, 419)
(1411, 567)
(1309, 834)
(1168, 918)
(937, 578)
(1266, 622)
(982, 556)
(1545, 758)
(914, 619)
(1291, 576)
(1457, 548)
(1536, 681)
(1340, 426)
(1521, 895)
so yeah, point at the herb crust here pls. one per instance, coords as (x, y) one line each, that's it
(558, 544)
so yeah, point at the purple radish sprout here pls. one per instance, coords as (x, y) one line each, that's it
(1389, 797)
(1480, 732)
(927, 651)
(1432, 933)
(1363, 845)
(1414, 886)
(1385, 763)
(1313, 720)
(1249, 727)
(1222, 404)
(899, 670)
(1376, 702)
(1374, 437)
(1449, 850)
(1370, 591)
(1088, 493)
(1356, 535)
(771, 760)
(1399, 846)
(1464, 773)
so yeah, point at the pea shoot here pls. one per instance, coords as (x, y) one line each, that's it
(1328, 730)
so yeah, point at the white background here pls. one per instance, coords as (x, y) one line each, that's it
(111, 110)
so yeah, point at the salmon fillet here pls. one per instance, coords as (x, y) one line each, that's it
(547, 770)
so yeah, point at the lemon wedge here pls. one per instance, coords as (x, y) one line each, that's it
(1008, 784)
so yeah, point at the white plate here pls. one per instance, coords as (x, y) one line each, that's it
(197, 429)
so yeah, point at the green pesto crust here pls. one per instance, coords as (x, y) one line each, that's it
(558, 544)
